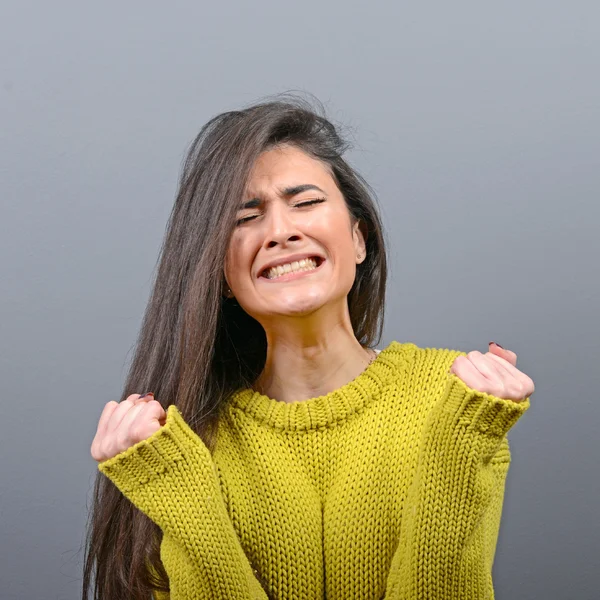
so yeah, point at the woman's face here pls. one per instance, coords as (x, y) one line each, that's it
(283, 225)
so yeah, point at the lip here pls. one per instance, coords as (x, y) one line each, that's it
(284, 260)
(292, 276)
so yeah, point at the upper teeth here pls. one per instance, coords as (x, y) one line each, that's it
(306, 264)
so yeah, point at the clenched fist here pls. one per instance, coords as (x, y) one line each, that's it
(494, 372)
(123, 424)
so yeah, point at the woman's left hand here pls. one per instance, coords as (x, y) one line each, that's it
(494, 372)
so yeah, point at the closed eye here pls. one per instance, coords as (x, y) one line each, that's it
(307, 203)
(315, 201)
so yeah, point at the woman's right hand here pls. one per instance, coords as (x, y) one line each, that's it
(123, 424)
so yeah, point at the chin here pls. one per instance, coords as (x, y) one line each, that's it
(297, 305)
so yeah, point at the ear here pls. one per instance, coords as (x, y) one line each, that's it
(359, 237)
(225, 289)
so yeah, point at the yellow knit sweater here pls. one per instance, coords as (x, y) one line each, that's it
(390, 487)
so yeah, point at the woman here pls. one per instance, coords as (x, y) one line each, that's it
(281, 456)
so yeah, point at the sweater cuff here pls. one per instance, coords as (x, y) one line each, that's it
(147, 459)
(483, 412)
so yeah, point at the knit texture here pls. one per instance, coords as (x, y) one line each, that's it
(389, 487)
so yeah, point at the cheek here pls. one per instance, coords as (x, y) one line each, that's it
(327, 229)
(236, 258)
(333, 232)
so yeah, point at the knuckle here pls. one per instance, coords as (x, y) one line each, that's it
(122, 440)
(101, 451)
(109, 407)
(136, 432)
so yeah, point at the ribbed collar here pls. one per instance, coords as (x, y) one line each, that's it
(336, 406)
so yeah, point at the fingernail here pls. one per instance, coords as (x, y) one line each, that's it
(146, 394)
(497, 344)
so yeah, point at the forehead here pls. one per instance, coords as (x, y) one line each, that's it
(285, 164)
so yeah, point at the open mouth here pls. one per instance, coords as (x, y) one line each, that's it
(271, 275)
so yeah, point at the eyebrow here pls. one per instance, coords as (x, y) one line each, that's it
(287, 191)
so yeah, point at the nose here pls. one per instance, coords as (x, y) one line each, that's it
(281, 227)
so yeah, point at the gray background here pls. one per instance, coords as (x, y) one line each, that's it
(477, 124)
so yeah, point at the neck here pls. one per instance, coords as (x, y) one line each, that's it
(307, 367)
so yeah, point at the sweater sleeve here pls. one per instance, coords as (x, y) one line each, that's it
(172, 478)
(451, 516)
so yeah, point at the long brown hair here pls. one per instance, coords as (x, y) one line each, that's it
(195, 346)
